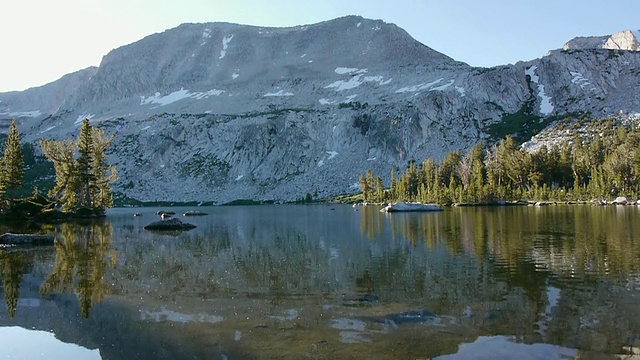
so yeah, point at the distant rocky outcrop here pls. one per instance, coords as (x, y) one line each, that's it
(220, 112)
(623, 40)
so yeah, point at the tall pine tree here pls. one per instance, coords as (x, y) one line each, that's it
(12, 164)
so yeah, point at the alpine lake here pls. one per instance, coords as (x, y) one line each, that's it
(329, 282)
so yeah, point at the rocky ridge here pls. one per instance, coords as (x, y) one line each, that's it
(222, 111)
(623, 40)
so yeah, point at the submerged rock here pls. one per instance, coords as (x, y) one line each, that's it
(405, 207)
(26, 239)
(169, 225)
(407, 317)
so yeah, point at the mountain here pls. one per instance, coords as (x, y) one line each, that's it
(218, 111)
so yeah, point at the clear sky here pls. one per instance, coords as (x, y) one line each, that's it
(41, 40)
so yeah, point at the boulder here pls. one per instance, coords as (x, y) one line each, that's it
(169, 225)
(194, 213)
(26, 239)
(406, 207)
(621, 200)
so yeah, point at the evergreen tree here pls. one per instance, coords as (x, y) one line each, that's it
(83, 182)
(61, 153)
(84, 165)
(13, 163)
(364, 187)
(103, 175)
(379, 190)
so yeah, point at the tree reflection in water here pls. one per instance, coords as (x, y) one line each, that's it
(12, 266)
(82, 255)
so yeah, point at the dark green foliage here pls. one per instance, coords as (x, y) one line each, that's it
(81, 181)
(601, 163)
(12, 170)
(209, 167)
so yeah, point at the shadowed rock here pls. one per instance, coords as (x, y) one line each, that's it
(169, 225)
(418, 316)
(26, 239)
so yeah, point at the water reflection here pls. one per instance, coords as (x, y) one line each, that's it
(19, 343)
(296, 282)
(82, 254)
(12, 267)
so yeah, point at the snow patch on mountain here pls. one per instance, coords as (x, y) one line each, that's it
(345, 70)
(225, 44)
(48, 129)
(183, 93)
(578, 79)
(357, 79)
(82, 117)
(206, 34)
(546, 107)
(279, 93)
(342, 85)
(443, 87)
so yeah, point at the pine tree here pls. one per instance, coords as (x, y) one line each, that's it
(103, 175)
(83, 182)
(84, 165)
(13, 163)
(61, 153)
(364, 186)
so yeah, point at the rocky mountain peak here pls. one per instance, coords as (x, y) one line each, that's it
(220, 56)
(623, 40)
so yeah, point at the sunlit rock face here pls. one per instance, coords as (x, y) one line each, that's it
(221, 111)
(623, 40)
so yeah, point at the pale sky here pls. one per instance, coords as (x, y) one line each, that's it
(41, 40)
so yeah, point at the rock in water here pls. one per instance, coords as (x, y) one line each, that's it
(26, 239)
(169, 225)
(194, 213)
(406, 207)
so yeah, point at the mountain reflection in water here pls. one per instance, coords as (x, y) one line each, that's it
(328, 282)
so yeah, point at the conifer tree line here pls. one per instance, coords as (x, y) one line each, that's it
(587, 167)
(82, 175)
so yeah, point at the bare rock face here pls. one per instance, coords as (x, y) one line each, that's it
(222, 111)
(623, 40)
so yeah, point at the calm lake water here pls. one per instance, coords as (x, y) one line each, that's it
(330, 282)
